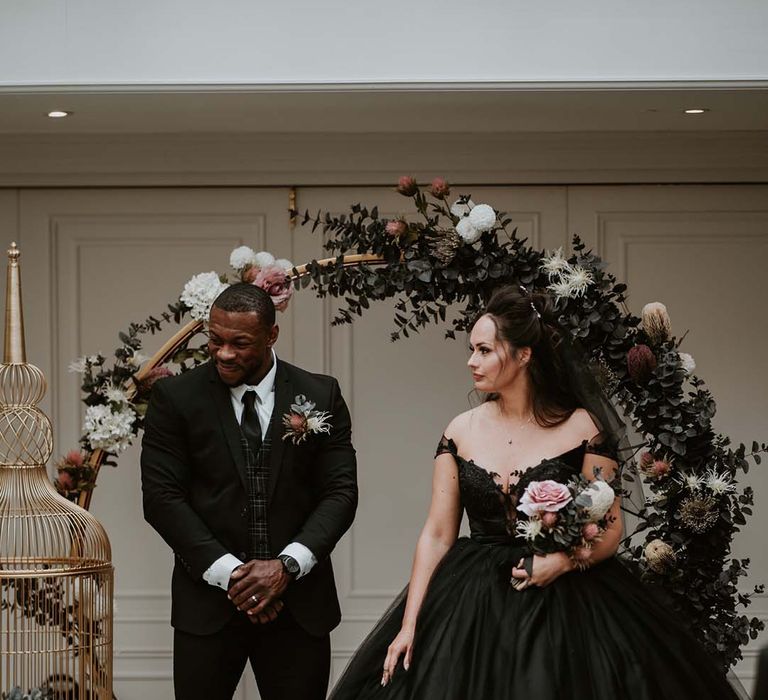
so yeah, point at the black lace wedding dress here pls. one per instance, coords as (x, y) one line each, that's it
(600, 634)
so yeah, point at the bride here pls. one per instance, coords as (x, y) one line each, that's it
(480, 618)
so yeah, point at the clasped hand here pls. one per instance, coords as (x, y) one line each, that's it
(255, 588)
(546, 568)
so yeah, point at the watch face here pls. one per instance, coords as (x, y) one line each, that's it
(291, 565)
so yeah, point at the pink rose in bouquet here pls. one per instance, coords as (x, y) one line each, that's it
(544, 497)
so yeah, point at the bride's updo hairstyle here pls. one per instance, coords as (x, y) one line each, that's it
(526, 319)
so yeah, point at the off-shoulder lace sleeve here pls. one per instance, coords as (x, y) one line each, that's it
(603, 446)
(446, 445)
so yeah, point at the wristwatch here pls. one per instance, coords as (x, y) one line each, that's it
(290, 565)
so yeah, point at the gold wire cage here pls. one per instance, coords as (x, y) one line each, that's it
(56, 575)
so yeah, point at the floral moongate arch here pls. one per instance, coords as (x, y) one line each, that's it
(453, 255)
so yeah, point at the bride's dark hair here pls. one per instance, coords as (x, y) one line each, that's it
(526, 319)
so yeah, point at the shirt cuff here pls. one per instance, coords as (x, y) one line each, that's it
(302, 555)
(219, 573)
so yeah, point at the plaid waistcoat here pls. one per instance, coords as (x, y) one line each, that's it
(257, 470)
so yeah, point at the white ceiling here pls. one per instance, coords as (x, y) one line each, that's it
(465, 110)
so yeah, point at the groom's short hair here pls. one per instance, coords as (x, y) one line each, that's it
(244, 298)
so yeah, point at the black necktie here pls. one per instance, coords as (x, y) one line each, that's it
(250, 421)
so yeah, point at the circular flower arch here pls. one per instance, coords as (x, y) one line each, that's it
(453, 255)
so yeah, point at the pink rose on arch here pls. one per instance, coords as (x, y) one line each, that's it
(274, 280)
(544, 497)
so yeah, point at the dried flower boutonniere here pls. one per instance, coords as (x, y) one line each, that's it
(303, 420)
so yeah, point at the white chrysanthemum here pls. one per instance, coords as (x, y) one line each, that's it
(263, 259)
(692, 482)
(200, 292)
(578, 279)
(79, 365)
(529, 529)
(483, 217)
(602, 496)
(467, 232)
(561, 289)
(287, 265)
(688, 363)
(461, 210)
(242, 257)
(109, 430)
(115, 394)
(719, 483)
(555, 264)
(318, 423)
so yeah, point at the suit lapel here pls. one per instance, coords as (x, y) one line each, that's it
(223, 404)
(283, 399)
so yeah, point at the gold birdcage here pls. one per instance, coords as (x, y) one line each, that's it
(56, 576)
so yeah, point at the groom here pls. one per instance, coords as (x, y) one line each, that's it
(252, 498)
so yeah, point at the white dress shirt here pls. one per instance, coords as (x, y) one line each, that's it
(219, 573)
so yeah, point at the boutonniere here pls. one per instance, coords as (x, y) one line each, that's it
(303, 420)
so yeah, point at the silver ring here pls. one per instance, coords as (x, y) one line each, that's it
(254, 599)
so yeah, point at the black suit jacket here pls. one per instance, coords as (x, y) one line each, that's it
(195, 491)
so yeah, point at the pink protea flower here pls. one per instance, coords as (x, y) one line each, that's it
(440, 188)
(590, 531)
(641, 362)
(75, 458)
(660, 468)
(549, 519)
(274, 280)
(148, 381)
(646, 461)
(396, 228)
(544, 496)
(65, 482)
(407, 186)
(297, 423)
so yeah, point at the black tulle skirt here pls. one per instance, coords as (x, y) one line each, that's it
(594, 635)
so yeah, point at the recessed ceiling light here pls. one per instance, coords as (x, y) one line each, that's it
(58, 114)
(696, 110)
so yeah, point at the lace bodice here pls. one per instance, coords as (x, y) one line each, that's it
(490, 509)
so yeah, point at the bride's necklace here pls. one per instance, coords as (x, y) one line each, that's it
(521, 427)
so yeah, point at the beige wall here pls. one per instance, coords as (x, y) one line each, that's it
(93, 260)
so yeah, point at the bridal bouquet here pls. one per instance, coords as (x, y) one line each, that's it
(565, 517)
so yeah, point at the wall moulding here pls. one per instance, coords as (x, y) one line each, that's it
(279, 159)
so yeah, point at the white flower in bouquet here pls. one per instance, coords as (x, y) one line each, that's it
(529, 529)
(718, 483)
(287, 265)
(468, 233)
(109, 430)
(601, 497)
(688, 363)
(461, 209)
(263, 259)
(115, 394)
(242, 257)
(483, 217)
(555, 264)
(200, 293)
